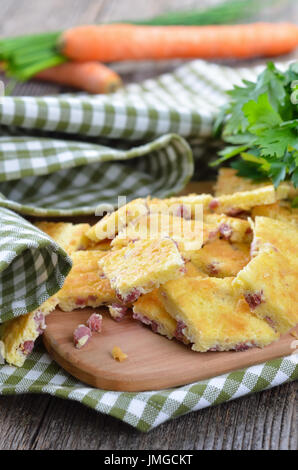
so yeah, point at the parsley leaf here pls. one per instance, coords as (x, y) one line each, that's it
(260, 126)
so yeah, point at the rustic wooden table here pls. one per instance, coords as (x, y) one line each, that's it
(265, 420)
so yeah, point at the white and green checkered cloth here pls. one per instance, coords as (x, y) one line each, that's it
(62, 156)
(144, 410)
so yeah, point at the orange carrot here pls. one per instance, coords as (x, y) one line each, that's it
(89, 76)
(116, 42)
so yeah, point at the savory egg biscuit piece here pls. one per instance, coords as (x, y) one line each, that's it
(142, 266)
(212, 317)
(71, 237)
(221, 258)
(277, 211)
(238, 203)
(189, 206)
(231, 228)
(111, 224)
(85, 285)
(150, 310)
(19, 334)
(269, 282)
(228, 182)
(187, 233)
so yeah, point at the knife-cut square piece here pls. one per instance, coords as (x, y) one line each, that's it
(230, 228)
(238, 204)
(142, 266)
(19, 334)
(221, 258)
(212, 317)
(71, 237)
(85, 285)
(282, 212)
(188, 234)
(114, 222)
(228, 182)
(269, 282)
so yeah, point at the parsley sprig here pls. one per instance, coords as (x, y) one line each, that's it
(260, 126)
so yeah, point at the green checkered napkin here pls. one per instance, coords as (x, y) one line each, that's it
(63, 156)
(144, 410)
(32, 266)
(53, 160)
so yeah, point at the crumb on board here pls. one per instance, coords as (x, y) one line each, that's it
(295, 334)
(118, 354)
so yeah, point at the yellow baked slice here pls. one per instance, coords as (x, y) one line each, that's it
(187, 233)
(212, 317)
(19, 334)
(142, 266)
(283, 212)
(188, 207)
(269, 282)
(71, 237)
(231, 228)
(228, 182)
(238, 204)
(85, 285)
(221, 258)
(150, 310)
(112, 223)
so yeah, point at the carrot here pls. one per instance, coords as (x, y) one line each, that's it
(89, 76)
(116, 42)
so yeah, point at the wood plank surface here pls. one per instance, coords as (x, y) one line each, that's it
(266, 420)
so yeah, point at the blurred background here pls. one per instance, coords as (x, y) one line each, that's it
(20, 17)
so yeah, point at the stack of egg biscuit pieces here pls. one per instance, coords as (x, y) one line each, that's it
(216, 273)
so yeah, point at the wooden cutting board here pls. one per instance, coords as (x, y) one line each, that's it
(153, 361)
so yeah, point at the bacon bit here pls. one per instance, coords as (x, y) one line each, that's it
(81, 336)
(248, 231)
(146, 321)
(213, 204)
(242, 347)
(94, 322)
(271, 323)
(27, 347)
(118, 311)
(226, 231)
(80, 301)
(118, 354)
(239, 213)
(212, 269)
(39, 319)
(183, 211)
(179, 335)
(132, 296)
(92, 298)
(254, 300)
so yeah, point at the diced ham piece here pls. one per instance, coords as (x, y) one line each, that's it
(81, 336)
(118, 311)
(39, 319)
(213, 205)
(132, 296)
(146, 321)
(254, 300)
(183, 211)
(179, 335)
(27, 347)
(94, 322)
(226, 231)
